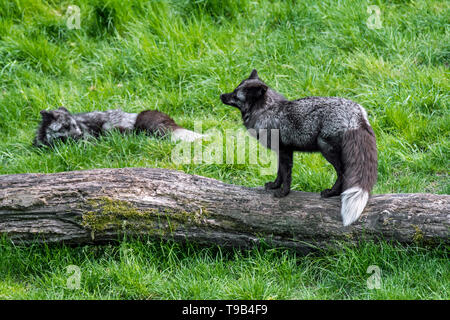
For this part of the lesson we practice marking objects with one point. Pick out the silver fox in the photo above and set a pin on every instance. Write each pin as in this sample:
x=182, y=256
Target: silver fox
x=336, y=127
x=60, y=124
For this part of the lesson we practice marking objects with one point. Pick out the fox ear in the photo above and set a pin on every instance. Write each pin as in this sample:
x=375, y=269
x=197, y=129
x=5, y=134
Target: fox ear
x=47, y=115
x=257, y=91
x=254, y=74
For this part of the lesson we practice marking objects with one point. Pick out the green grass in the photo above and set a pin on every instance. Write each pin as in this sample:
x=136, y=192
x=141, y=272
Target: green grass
x=152, y=270
x=177, y=57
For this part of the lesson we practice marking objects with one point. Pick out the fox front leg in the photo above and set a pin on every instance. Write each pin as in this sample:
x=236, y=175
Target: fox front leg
x=277, y=183
x=282, y=183
x=273, y=185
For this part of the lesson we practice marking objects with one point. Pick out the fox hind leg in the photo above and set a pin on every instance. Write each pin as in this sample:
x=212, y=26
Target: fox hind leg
x=334, y=157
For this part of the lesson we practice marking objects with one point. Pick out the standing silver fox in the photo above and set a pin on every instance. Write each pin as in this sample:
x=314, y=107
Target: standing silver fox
x=336, y=127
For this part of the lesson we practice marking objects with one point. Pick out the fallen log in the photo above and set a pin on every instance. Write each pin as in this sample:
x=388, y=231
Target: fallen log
x=100, y=205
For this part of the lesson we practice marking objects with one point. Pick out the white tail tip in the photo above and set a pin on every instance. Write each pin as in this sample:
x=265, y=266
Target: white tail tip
x=353, y=202
x=185, y=135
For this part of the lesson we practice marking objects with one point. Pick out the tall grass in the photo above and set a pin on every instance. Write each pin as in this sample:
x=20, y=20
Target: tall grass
x=177, y=57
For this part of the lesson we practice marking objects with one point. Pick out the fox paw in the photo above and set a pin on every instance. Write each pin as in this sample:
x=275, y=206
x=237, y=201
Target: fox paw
x=281, y=193
x=329, y=193
x=271, y=186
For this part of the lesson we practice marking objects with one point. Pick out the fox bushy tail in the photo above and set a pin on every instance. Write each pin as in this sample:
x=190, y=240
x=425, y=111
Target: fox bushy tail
x=186, y=135
x=359, y=155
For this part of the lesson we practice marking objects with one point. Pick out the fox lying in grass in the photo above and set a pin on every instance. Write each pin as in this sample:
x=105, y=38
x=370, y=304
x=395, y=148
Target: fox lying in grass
x=336, y=127
x=60, y=124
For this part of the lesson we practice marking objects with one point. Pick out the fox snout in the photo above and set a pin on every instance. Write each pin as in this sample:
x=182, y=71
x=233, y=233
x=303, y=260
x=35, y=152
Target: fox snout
x=78, y=134
x=227, y=98
x=224, y=97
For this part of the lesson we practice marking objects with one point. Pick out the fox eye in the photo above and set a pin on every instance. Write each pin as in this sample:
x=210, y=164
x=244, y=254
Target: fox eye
x=240, y=96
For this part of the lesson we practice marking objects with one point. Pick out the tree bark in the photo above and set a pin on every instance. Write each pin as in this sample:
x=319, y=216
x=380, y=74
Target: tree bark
x=100, y=205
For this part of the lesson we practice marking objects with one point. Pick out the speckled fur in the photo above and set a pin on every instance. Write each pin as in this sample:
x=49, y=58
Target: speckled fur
x=336, y=127
x=60, y=124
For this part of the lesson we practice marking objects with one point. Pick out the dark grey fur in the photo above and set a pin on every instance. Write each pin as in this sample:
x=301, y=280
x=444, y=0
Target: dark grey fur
x=336, y=127
x=60, y=124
